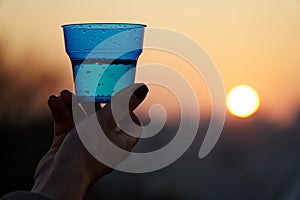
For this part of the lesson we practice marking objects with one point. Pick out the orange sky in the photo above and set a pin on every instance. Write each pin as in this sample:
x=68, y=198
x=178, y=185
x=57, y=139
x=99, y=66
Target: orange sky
x=252, y=42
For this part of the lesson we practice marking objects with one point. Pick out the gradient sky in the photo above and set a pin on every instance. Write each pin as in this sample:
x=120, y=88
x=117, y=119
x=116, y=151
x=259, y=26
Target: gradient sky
x=252, y=42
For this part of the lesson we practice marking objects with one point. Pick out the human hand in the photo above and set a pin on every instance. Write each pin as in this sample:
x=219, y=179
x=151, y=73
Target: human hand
x=68, y=163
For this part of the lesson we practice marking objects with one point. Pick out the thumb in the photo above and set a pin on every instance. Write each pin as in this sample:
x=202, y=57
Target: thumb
x=122, y=104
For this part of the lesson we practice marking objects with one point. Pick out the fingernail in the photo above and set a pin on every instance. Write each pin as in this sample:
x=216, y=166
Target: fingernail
x=53, y=97
x=141, y=92
x=65, y=91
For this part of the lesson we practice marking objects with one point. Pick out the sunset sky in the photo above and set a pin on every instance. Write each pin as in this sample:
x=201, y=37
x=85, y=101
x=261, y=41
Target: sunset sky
x=256, y=42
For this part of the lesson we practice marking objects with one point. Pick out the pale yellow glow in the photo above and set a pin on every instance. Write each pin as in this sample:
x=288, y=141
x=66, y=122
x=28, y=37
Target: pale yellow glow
x=256, y=42
x=242, y=101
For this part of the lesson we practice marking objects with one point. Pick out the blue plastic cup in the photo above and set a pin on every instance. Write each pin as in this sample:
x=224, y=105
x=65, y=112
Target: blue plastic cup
x=103, y=57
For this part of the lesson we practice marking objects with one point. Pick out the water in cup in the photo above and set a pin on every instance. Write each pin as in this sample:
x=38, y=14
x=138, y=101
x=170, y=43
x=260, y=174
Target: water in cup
x=99, y=79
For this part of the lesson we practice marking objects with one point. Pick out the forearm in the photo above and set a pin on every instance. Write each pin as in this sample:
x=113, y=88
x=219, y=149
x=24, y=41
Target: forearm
x=64, y=183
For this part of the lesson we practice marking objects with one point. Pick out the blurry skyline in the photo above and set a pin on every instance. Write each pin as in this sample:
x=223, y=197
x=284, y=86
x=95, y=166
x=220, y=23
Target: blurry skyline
x=252, y=42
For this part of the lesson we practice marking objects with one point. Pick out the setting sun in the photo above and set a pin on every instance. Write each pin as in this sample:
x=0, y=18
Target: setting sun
x=242, y=101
